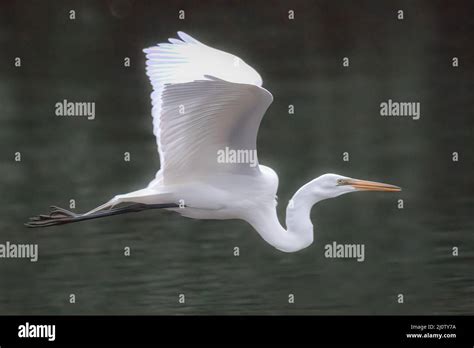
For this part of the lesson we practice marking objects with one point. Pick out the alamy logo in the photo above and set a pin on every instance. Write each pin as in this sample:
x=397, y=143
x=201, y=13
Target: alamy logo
x=393, y=108
x=228, y=155
x=19, y=251
x=67, y=108
x=37, y=331
x=345, y=251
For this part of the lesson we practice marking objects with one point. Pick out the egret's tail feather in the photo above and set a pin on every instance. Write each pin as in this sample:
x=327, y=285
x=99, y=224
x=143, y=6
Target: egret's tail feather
x=60, y=216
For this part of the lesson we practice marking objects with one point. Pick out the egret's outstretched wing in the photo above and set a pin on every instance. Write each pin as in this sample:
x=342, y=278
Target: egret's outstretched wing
x=204, y=105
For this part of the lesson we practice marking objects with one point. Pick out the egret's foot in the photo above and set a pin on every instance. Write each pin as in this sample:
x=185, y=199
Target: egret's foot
x=57, y=216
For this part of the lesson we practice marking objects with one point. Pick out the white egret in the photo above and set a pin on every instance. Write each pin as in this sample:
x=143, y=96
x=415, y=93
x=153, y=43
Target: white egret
x=206, y=101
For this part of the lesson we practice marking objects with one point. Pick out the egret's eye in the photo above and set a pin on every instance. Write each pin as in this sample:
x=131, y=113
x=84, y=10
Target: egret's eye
x=340, y=181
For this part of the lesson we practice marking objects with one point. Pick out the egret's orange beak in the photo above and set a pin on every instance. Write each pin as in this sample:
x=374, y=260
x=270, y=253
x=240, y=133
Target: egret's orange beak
x=371, y=185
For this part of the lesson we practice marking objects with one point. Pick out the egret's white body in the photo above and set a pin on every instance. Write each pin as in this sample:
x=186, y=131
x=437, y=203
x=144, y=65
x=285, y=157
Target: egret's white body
x=205, y=100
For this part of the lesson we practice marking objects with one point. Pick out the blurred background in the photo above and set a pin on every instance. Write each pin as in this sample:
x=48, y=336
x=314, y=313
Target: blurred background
x=407, y=251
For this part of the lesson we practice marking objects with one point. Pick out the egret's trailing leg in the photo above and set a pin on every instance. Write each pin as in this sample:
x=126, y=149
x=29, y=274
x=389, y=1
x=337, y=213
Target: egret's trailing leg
x=60, y=216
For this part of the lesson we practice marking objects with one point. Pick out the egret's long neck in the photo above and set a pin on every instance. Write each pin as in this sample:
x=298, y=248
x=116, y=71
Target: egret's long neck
x=299, y=233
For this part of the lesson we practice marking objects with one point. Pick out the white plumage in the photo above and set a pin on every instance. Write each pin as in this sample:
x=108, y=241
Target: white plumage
x=204, y=101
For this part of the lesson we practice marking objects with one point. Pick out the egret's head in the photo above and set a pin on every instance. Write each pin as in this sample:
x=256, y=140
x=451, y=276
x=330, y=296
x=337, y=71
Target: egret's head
x=333, y=185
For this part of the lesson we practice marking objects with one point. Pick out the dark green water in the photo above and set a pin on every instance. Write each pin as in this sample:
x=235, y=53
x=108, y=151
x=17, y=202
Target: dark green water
x=407, y=251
